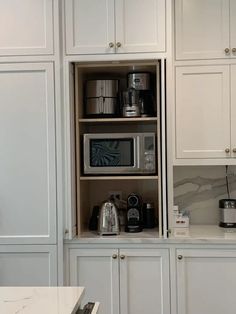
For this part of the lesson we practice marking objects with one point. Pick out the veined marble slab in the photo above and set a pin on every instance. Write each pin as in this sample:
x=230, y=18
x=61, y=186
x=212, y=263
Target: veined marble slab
x=40, y=300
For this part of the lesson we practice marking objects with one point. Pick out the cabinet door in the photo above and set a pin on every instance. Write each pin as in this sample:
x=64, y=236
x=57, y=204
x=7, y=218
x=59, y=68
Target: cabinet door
x=27, y=265
x=27, y=154
x=89, y=26
x=97, y=271
x=26, y=27
x=140, y=25
x=144, y=281
x=233, y=110
x=202, y=112
x=233, y=27
x=206, y=281
x=202, y=29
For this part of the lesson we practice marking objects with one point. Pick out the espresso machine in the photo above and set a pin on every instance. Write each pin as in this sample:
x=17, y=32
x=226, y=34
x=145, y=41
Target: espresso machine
x=134, y=221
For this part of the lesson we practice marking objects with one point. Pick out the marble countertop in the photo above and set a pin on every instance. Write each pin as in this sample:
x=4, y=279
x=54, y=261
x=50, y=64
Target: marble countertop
x=40, y=300
x=211, y=234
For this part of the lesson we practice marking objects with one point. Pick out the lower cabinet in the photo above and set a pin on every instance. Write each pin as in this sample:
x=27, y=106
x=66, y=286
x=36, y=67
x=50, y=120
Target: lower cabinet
x=28, y=265
x=125, y=281
x=206, y=281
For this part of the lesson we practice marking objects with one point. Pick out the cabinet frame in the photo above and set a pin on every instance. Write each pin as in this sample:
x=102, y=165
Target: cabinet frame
x=71, y=97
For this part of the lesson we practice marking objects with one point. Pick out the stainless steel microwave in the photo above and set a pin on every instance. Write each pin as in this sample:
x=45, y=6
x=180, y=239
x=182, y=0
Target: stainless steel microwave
x=119, y=153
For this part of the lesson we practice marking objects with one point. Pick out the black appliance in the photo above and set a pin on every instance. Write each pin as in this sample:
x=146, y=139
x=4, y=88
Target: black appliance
x=149, y=219
x=134, y=214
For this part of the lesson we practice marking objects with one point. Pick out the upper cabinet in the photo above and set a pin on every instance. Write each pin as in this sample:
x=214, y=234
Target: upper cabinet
x=114, y=26
x=202, y=112
x=26, y=27
x=205, y=113
x=205, y=29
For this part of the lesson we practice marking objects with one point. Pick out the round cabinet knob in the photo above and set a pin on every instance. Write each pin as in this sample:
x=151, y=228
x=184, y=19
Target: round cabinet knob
x=234, y=50
x=118, y=45
x=111, y=45
x=122, y=256
x=180, y=257
x=114, y=256
x=226, y=50
x=234, y=150
x=227, y=150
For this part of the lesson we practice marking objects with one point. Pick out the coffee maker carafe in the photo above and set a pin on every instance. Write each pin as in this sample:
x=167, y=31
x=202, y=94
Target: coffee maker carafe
x=130, y=103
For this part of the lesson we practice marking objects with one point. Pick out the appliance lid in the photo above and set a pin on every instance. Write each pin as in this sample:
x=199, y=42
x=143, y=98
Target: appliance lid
x=102, y=88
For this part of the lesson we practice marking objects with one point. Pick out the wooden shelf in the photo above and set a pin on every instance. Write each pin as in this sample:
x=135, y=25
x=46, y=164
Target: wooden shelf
x=101, y=178
x=104, y=120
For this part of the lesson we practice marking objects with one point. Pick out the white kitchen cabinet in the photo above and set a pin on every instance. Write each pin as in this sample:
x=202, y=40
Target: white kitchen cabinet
x=98, y=271
x=205, y=29
x=206, y=281
x=114, y=26
x=144, y=281
x=233, y=109
x=125, y=281
x=26, y=27
x=202, y=112
x=27, y=154
x=28, y=265
x=205, y=113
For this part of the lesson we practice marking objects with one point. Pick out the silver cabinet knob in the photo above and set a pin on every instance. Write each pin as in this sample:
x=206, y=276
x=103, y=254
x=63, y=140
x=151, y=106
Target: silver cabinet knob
x=180, y=257
x=234, y=50
x=114, y=256
x=227, y=50
x=111, y=45
x=122, y=256
x=118, y=44
x=227, y=150
x=234, y=150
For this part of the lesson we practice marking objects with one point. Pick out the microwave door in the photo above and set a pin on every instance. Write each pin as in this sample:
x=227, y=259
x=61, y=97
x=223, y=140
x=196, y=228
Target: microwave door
x=111, y=155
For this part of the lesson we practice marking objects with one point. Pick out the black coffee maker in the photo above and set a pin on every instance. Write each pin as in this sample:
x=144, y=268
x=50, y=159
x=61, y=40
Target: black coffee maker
x=134, y=221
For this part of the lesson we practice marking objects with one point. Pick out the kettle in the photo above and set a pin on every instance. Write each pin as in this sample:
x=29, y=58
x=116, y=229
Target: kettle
x=108, y=223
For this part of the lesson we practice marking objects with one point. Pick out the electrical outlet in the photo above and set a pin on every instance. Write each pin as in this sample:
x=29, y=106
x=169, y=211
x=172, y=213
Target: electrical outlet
x=117, y=195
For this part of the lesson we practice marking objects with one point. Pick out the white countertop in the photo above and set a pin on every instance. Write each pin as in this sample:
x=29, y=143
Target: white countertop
x=40, y=300
x=195, y=234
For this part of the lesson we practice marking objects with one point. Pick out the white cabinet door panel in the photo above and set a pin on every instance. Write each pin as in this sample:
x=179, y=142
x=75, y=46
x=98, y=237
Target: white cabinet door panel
x=144, y=281
x=27, y=265
x=202, y=112
x=233, y=110
x=96, y=270
x=140, y=25
x=206, y=281
x=233, y=27
x=27, y=154
x=26, y=27
x=202, y=28
x=89, y=26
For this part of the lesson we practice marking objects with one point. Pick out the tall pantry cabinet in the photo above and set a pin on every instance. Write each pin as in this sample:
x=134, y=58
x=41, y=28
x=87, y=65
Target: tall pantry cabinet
x=28, y=200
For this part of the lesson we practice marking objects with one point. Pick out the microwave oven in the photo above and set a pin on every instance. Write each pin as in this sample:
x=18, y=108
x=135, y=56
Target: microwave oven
x=119, y=153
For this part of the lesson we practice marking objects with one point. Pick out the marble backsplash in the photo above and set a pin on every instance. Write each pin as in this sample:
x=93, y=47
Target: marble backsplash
x=197, y=190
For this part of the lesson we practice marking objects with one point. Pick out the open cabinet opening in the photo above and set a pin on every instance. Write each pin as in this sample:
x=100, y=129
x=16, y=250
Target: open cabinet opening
x=117, y=108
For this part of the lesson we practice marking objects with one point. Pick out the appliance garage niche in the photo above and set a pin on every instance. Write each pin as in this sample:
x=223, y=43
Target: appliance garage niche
x=117, y=109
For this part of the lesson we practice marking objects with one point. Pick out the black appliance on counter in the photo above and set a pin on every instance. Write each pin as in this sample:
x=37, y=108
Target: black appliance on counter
x=134, y=221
